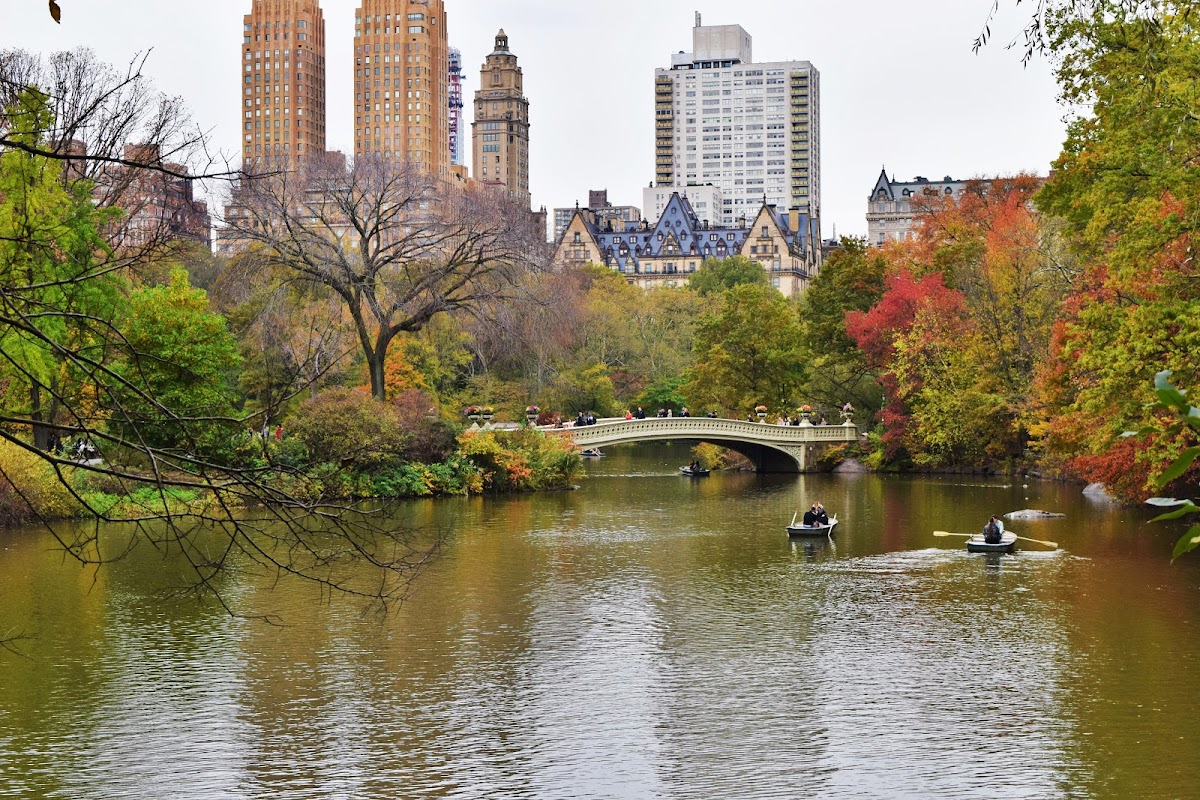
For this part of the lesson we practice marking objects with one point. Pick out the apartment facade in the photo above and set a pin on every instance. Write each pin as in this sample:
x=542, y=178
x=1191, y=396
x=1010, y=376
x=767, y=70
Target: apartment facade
x=705, y=200
x=600, y=209
x=401, y=83
x=500, y=132
x=455, y=84
x=665, y=253
x=753, y=130
x=890, y=215
x=283, y=80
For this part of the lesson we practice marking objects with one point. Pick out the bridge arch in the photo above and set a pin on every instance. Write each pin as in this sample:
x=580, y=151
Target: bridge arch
x=771, y=448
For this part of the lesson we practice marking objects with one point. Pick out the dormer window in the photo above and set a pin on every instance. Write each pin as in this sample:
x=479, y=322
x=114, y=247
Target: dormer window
x=578, y=238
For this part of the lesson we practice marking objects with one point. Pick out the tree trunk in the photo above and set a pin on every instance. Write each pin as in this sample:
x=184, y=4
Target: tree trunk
x=375, y=362
x=41, y=433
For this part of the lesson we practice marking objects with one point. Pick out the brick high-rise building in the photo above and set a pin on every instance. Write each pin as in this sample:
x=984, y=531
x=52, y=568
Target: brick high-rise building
x=401, y=82
x=283, y=79
x=500, y=132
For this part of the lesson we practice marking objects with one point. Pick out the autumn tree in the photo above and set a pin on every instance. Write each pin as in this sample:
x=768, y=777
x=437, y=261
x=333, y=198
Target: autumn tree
x=1126, y=190
x=395, y=244
x=932, y=365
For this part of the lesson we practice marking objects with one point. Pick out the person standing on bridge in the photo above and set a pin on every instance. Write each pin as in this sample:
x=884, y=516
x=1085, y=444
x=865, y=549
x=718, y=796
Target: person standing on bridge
x=640, y=413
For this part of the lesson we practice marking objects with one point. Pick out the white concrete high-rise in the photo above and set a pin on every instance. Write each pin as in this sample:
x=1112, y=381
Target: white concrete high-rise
x=753, y=130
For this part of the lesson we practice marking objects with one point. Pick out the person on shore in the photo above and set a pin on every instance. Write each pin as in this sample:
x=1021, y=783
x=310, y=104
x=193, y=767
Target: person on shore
x=993, y=531
x=278, y=432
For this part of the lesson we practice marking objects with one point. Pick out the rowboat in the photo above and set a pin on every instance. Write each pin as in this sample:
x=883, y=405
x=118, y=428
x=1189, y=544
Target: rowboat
x=811, y=530
x=1007, y=543
x=592, y=452
x=693, y=472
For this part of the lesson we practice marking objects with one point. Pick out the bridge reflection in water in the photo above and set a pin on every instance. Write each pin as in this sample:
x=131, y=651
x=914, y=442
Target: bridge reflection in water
x=772, y=448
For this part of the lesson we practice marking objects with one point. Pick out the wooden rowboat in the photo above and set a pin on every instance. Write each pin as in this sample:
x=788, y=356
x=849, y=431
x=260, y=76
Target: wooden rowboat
x=811, y=530
x=693, y=472
x=1007, y=544
x=592, y=452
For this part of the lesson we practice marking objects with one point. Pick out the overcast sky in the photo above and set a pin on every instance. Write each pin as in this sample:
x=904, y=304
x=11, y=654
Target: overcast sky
x=900, y=85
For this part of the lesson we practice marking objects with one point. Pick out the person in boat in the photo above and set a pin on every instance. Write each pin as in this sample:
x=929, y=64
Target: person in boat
x=810, y=517
x=822, y=517
x=993, y=530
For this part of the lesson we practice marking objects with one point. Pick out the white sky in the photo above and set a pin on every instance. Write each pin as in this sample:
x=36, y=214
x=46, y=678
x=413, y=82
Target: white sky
x=899, y=84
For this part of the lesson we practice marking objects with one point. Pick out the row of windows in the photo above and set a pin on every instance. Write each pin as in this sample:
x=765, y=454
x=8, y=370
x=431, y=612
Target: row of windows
x=276, y=25
x=413, y=17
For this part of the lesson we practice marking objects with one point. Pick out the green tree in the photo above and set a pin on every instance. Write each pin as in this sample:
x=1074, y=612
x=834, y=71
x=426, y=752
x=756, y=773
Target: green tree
x=721, y=274
x=850, y=280
x=747, y=353
x=178, y=360
x=57, y=293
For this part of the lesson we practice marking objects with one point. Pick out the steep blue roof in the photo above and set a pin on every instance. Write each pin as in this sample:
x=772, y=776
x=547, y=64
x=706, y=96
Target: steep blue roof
x=679, y=232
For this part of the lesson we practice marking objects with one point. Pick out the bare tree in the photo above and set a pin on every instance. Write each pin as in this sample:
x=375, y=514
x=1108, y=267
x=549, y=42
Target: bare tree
x=68, y=369
x=397, y=245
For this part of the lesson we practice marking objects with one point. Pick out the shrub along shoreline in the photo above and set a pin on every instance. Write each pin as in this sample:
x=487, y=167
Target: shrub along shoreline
x=482, y=462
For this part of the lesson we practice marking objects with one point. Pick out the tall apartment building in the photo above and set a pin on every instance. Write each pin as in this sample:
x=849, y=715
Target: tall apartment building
x=283, y=84
x=401, y=82
x=751, y=129
x=500, y=132
x=455, y=84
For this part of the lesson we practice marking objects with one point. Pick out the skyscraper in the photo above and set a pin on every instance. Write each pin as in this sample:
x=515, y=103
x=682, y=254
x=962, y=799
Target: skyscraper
x=401, y=95
x=283, y=84
x=456, y=107
x=751, y=129
x=500, y=132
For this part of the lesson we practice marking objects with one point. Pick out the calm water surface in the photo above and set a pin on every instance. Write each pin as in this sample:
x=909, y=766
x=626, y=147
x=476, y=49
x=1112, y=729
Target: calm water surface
x=649, y=636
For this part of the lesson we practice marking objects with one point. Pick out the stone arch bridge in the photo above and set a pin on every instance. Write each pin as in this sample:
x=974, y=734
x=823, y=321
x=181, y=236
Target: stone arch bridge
x=772, y=448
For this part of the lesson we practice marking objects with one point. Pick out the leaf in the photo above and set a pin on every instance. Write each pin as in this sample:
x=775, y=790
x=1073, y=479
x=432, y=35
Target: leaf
x=1189, y=542
x=1139, y=432
x=1177, y=514
x=55, y=12
x=1165, y=502
x=1180, y=466
x=1168, y=395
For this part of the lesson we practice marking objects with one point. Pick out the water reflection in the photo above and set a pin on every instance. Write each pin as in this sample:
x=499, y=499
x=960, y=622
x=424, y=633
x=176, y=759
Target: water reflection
x=646, y=636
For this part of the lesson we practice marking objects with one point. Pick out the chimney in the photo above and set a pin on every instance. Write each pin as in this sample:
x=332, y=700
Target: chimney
x=697, y=19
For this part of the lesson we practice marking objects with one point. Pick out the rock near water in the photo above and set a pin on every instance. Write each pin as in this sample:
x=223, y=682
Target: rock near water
x=1033, y=513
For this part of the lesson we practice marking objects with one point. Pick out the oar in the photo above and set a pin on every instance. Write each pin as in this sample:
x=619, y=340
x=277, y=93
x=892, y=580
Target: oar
x=794, y=514
x=1024, y=538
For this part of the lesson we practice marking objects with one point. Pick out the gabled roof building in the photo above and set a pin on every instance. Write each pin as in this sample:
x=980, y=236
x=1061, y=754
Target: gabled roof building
x=890, y=215
x=786, y=244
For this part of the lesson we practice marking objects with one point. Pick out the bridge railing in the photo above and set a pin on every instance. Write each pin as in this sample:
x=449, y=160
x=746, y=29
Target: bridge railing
x=620, y=429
